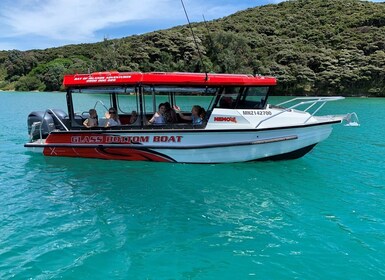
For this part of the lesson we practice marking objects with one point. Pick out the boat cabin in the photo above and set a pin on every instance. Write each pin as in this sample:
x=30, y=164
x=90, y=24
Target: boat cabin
x=137, y=96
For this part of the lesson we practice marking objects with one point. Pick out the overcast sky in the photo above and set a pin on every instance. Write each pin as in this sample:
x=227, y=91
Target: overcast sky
x=40, y=24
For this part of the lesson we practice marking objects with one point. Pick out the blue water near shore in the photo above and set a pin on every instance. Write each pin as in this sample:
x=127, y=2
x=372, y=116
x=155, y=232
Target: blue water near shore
x=318, y=217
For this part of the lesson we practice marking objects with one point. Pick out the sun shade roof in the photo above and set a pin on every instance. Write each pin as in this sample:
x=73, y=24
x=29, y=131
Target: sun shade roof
x=165, y=78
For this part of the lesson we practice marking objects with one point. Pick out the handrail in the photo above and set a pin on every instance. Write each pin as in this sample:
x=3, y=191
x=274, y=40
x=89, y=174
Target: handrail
x=41, y=127
x=53, y=113
x=99, y=101
x=33, y=128
x=312, y=101
x=315, y=98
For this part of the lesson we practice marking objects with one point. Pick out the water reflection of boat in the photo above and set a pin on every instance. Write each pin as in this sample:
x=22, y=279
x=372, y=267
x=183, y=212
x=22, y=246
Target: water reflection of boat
x=239, y=124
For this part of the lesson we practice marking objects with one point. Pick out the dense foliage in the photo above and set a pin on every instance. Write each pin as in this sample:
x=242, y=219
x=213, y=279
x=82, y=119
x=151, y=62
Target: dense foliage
x=321, y=47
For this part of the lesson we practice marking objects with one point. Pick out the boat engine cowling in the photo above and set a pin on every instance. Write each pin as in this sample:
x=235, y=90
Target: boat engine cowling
x=37, y=121
x=57, y=114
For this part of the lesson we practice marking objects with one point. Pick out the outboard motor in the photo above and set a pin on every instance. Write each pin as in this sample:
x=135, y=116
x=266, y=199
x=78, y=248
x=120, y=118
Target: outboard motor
x=57, y=113
x=39, y=121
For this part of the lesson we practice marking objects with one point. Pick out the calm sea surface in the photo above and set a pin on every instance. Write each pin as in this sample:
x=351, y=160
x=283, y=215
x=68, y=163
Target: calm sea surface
x=318, y=217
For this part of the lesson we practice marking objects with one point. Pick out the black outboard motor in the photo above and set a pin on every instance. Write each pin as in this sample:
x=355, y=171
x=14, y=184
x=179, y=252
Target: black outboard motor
x=35, y=122
x=61, y=115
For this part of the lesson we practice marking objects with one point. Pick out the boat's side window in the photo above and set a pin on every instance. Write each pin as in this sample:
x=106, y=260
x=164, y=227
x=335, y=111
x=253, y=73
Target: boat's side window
x=128, y=101
x=253, y=98
x=172, y=106
x=228, y=98
x=128, y=106
x=156, y=100
x=86, y=100
x=192, y=104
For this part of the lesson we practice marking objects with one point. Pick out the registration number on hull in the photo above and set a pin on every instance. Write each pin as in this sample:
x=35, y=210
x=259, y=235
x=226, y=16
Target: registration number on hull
x=257, y=113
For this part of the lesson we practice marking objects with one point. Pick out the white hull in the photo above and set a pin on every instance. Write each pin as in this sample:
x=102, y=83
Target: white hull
x=194, y=146
x=276, y=143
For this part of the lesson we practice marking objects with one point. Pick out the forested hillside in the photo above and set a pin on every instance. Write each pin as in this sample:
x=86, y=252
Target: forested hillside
x=314, y=47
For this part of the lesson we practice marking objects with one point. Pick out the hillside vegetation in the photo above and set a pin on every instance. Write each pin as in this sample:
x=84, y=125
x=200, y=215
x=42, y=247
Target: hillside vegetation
x=313, y=47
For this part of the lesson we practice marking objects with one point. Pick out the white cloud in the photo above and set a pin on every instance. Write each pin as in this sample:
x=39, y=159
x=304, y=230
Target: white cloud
x=79, y=21
x=74, y=20
x=27, y=24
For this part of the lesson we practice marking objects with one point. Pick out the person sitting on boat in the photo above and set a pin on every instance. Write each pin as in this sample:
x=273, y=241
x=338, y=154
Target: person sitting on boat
x=113, y=118
x=158, y=117
x=133, y=118
x=92, y=119
x=169, y=114
x=226, y=102
x=197, y=114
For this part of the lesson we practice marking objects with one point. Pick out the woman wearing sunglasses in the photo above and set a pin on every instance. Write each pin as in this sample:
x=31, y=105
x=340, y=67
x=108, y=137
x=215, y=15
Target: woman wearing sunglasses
x=113, y=118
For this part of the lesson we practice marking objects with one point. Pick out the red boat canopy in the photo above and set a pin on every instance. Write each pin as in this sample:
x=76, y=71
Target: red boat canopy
x=165, y=78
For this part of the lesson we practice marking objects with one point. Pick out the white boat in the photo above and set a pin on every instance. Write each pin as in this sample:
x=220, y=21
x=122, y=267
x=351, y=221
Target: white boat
x=239, y=124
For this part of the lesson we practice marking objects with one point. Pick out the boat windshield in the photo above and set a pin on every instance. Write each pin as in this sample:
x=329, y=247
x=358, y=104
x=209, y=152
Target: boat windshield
x=253, y=98
x=242, y=98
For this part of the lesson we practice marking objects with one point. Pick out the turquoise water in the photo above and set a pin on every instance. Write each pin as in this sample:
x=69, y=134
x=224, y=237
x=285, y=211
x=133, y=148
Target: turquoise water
x=318, y=217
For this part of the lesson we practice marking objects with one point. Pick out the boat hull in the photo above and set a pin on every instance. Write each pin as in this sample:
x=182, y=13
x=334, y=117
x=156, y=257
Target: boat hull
x=186, y=146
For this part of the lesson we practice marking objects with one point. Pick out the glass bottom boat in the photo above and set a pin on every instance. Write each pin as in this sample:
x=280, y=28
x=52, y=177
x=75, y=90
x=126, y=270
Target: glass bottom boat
x=230, y=119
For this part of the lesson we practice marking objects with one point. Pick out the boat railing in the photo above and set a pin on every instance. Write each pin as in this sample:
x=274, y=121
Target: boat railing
x=313, y=102
x=40, y=124
x=33, y=129
x=101, y=102
x=58, y=119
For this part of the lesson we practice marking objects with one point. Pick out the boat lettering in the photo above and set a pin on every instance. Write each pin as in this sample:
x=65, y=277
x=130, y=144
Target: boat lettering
x=126, y=139
x=87, y=139
x=143, y=139
x=257, y=112
x=225, y=119
x=167, y=139
x=102, y=79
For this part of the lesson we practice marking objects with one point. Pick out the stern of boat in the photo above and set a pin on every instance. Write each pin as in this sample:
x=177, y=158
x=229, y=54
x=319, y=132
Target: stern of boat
x=36, y=146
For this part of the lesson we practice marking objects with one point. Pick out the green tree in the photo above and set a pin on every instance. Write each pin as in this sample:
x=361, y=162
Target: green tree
x=312, y=46
x=28, y=83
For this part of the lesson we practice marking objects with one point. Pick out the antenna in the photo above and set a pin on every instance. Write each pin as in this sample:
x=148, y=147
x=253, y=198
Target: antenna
x=208, y=30
x=195, y=41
